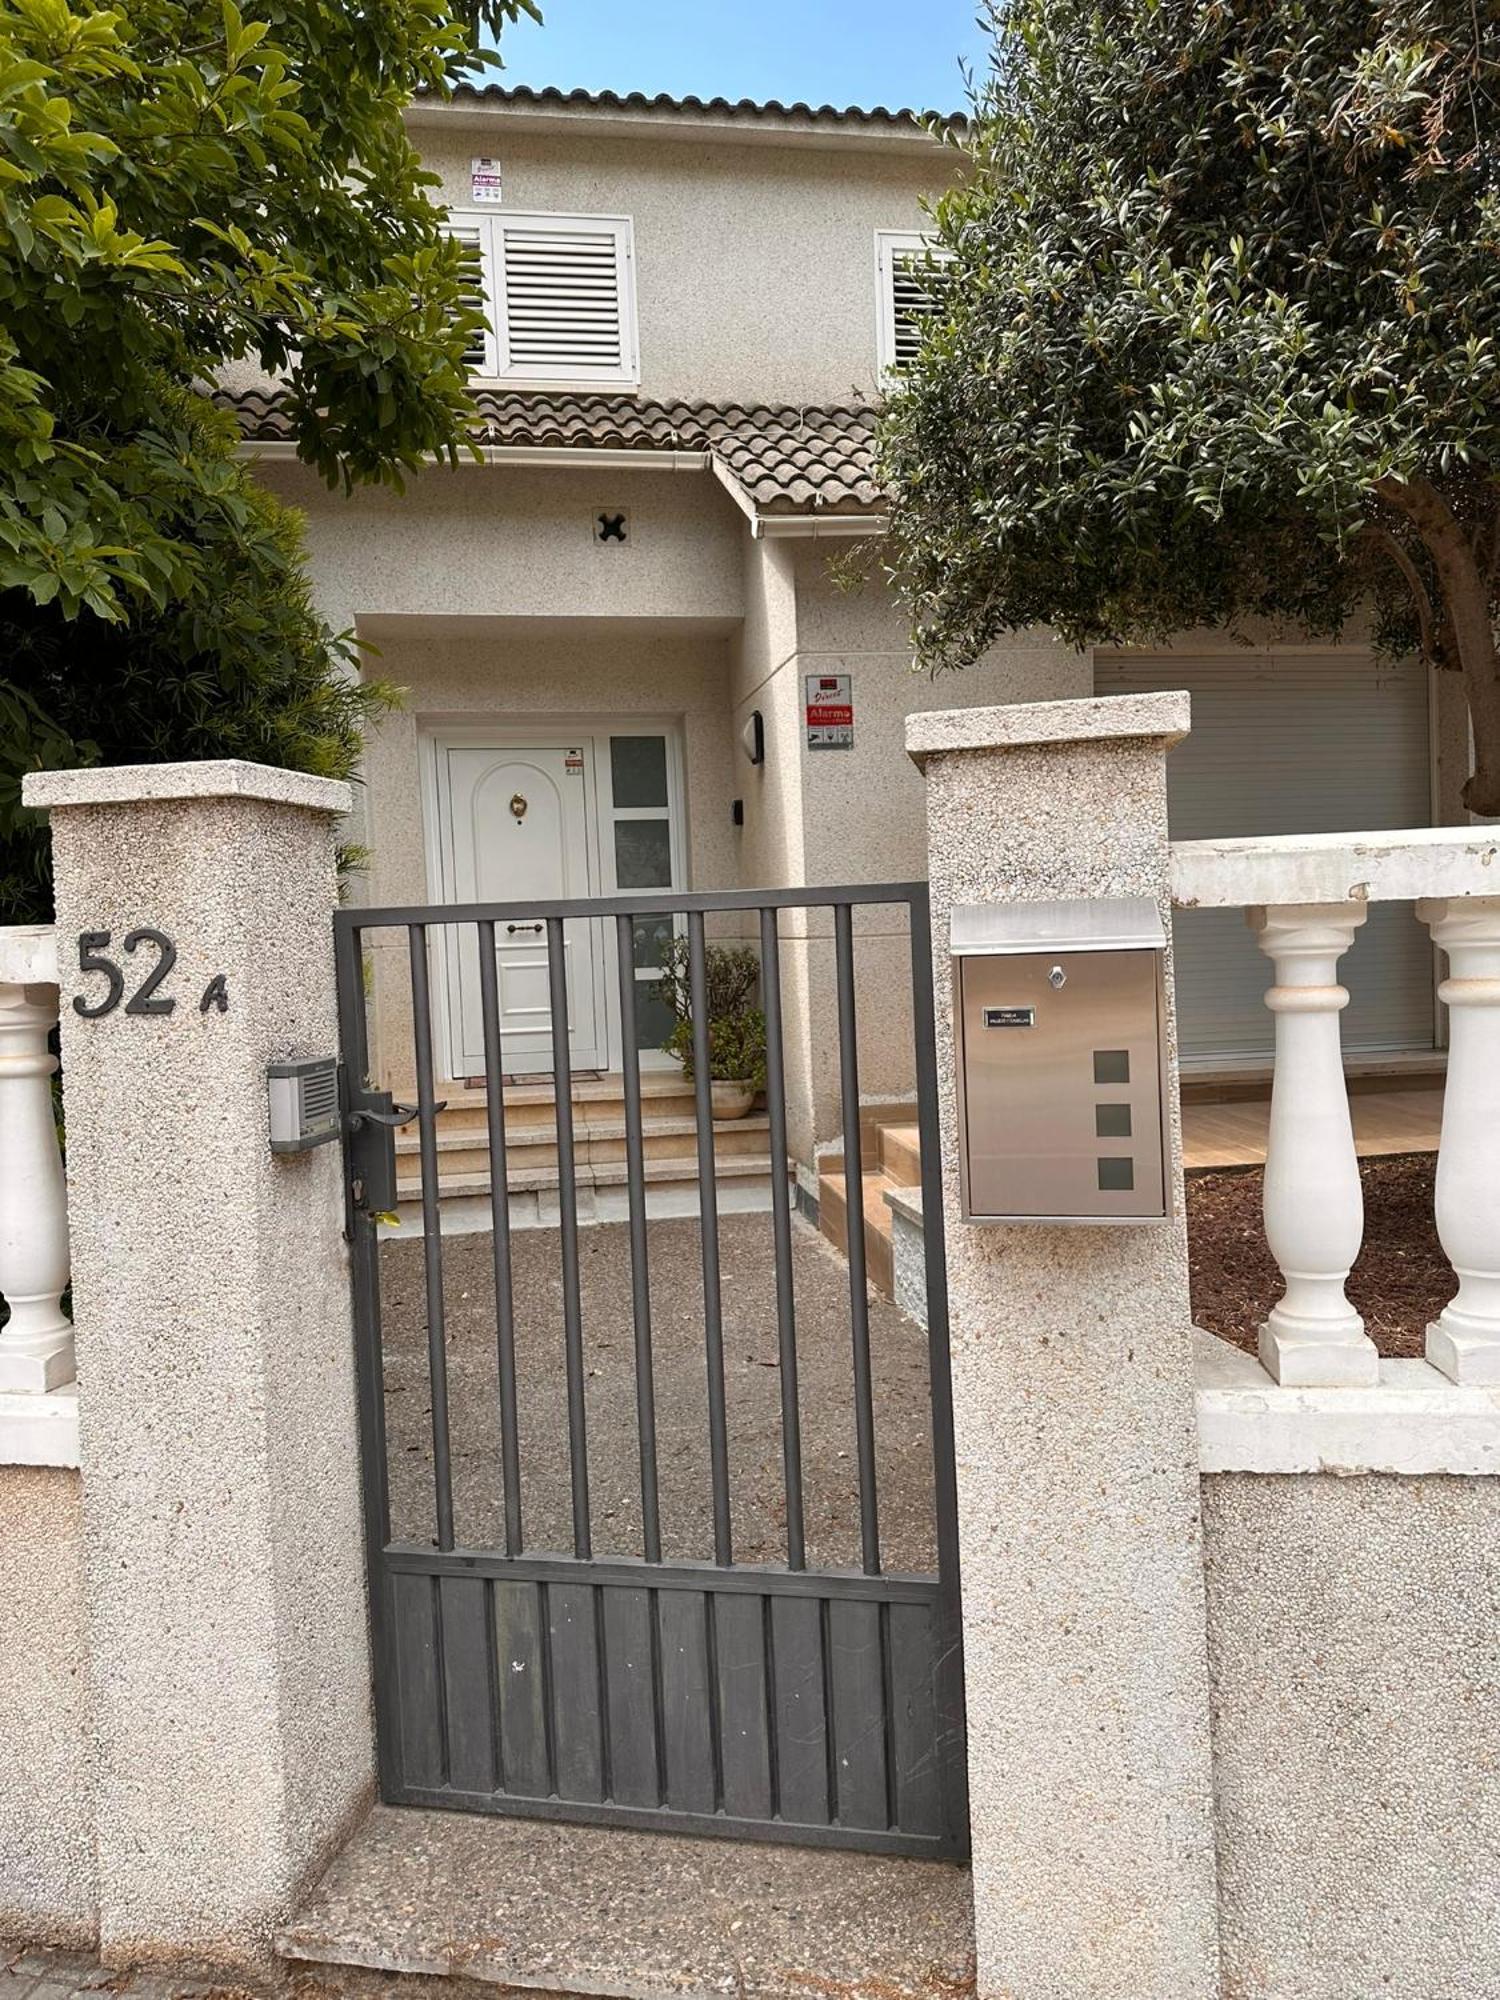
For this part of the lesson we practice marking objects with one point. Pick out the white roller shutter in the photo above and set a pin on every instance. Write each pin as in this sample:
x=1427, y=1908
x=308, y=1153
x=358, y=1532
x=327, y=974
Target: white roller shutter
x=1315, y=742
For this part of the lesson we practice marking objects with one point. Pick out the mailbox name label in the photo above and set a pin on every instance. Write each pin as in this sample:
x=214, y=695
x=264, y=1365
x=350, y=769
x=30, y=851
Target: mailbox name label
x=1009, y=1017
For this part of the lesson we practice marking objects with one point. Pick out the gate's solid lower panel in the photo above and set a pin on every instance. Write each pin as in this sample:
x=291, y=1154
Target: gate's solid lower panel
x=754, y=1703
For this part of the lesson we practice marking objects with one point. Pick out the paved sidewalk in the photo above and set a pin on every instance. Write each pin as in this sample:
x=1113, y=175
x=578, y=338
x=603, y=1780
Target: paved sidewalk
x=29, y=1974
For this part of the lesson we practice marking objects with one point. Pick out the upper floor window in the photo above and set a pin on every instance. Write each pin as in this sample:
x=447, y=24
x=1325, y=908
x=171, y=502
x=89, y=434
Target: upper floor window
x=559, y=295
x=907, y=271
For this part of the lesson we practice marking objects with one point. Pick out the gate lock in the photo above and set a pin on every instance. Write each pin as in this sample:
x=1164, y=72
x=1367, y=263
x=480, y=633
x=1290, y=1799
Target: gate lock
x=372, y=1121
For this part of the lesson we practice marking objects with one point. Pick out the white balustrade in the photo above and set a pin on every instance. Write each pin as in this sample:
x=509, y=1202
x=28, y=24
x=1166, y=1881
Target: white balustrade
x=1464, y=1341
x=1305, y=896
x=36, y=1344
x=1313, y=1204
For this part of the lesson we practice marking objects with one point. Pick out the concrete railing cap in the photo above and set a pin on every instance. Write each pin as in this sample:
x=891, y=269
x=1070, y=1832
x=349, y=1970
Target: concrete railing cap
x=28, y=955
x=218, y=778
x=1165, y=716
x=1404, y=865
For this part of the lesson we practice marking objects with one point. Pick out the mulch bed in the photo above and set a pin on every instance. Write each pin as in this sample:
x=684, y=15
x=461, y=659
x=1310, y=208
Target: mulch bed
x=1401, y=1281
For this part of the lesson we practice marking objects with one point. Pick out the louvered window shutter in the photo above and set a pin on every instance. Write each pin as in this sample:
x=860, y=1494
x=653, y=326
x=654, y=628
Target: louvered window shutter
x=911, y=277
x=560, y=293
x=479, y=355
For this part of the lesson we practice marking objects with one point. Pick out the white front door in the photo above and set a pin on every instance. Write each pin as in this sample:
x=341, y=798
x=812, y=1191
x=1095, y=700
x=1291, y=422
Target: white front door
x=516, y=824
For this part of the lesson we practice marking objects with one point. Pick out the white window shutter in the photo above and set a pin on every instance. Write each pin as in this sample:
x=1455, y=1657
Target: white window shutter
x=566, y=298
x=479, y=355
x=908, y=295
x=560, y=293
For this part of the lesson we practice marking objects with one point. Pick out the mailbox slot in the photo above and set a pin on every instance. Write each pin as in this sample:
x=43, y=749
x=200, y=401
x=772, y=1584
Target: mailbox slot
x=1059, y=1033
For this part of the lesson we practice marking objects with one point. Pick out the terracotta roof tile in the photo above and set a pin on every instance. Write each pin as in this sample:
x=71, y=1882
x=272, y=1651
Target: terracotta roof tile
x=786, y=459
x=749, y=109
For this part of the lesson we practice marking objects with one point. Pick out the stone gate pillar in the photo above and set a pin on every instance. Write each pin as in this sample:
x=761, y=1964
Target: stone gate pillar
x=1084, y=1635
x=223, y=1566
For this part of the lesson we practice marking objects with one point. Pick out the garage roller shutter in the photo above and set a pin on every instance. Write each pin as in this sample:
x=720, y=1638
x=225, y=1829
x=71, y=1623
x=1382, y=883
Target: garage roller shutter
x=1311, y=742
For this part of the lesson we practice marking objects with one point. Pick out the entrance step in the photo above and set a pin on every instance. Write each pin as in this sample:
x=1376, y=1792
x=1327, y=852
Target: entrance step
x=602, y=1193
x=669, y=1144
x=890, y=1139
x=833, y=1219
x=634, y=1916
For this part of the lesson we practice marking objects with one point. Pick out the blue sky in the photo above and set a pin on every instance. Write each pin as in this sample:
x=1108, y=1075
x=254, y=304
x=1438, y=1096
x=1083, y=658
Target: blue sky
x=892, y=52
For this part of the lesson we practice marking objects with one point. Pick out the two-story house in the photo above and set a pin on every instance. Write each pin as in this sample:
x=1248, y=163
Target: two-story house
x=625, y=617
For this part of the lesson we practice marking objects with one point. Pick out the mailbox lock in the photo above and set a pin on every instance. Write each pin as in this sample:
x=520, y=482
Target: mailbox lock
x=1057, y=978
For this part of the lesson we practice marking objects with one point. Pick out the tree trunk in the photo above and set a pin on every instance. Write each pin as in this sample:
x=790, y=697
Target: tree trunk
x=1466, y=612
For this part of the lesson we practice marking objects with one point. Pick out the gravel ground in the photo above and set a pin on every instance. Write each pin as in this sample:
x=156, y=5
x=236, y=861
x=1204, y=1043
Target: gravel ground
x=899, y=1364
x=1401, y=1281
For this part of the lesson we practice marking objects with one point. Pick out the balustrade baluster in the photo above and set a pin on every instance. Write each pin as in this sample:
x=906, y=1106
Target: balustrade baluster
x=36, y=1344
x=1464, y=1341
x=1314, y=1207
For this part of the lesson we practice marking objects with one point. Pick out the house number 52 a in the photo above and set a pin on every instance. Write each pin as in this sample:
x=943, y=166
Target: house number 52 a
x=147, y=998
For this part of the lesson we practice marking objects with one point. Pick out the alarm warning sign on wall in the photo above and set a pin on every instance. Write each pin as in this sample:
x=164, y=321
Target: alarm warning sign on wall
x=830, y=711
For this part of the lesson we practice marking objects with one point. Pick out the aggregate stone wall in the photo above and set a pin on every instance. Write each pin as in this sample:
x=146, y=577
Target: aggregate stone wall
x=48, y=1877
x=1354, y=1633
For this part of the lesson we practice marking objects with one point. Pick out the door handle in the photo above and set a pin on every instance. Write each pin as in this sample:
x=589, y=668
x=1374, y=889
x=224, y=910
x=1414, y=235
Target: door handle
x=513, y=928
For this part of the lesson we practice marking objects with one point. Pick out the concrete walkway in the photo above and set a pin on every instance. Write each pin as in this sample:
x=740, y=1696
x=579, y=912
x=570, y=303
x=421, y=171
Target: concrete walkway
x=752, y=1394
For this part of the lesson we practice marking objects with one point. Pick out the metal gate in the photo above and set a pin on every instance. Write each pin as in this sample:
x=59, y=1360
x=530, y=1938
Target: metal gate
x=545, y=1673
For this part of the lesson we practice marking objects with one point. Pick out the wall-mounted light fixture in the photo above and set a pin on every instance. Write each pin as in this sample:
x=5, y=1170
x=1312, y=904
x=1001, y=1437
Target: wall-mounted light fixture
x=753, y=737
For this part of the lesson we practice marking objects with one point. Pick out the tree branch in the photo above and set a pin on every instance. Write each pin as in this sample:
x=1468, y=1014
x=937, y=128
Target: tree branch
x=1383, y=539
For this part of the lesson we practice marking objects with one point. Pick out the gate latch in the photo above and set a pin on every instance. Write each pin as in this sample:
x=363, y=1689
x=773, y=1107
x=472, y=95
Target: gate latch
x=372, y=1120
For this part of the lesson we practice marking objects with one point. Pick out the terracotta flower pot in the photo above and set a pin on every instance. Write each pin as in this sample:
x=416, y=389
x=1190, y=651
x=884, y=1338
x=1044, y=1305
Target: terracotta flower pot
x=730, y=1099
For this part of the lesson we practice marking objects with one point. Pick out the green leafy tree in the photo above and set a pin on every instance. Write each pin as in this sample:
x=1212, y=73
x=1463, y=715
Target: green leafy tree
x=1216, y=336
x=182, y=189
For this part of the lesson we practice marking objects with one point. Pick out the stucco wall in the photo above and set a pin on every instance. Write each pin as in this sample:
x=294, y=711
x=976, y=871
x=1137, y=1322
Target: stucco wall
x=518, y=542
x=1354, y=1632
x=755, y=265
x=48, y=1774
x=861, y=812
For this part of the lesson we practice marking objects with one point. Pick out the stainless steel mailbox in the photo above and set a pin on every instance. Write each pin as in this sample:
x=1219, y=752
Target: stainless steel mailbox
x=1059, y=1033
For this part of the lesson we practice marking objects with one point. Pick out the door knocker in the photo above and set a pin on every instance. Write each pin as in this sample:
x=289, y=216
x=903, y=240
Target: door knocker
x=518, y=806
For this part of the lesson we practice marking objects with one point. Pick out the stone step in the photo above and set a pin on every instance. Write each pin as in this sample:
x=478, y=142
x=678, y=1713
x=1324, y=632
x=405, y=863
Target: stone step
x=833, y=1219
x=901, y=1154
x=601, y=1194
x=531, y=1905
x=535, y=1104
x=531, y=1154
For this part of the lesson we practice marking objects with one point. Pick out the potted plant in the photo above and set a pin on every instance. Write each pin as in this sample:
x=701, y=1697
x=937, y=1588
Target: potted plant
x=736, y=1026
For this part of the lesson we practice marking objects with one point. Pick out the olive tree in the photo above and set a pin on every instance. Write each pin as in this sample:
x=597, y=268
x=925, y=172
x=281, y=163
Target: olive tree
x=1215, y=340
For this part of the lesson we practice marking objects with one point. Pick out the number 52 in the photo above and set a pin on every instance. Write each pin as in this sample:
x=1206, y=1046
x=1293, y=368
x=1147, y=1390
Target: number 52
x=91, y=958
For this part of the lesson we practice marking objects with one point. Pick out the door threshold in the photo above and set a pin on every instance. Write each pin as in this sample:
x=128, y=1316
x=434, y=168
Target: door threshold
x=634, y=1916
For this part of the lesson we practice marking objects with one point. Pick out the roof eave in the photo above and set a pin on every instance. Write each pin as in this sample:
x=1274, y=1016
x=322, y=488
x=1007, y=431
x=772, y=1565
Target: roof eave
x=475, y=113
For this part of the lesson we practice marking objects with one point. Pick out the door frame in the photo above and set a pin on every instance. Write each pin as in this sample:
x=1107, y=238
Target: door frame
x=592, y=733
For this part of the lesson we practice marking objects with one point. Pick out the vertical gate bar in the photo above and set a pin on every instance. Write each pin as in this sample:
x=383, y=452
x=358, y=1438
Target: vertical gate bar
x=567, y=1204
x=830, y=1729
x=640, y=1277
x=544, y=1662
x=773, y=1748
x=369, y=1366
x=492, y=1661
x=949, y=1680
x=854, y=1208
x=505, y=1316
x=715, y=1696
x=601, y=1676
x=432, y=1236
x=781, y=1230
x=658, y=1696
x=708, y=1212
